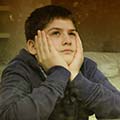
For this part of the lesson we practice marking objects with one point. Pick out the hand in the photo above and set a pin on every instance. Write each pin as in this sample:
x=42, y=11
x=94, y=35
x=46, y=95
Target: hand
x=77, y=61
x=47, y=55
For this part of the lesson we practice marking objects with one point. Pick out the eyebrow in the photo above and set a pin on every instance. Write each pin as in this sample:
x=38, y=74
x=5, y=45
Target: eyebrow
x=55, y=28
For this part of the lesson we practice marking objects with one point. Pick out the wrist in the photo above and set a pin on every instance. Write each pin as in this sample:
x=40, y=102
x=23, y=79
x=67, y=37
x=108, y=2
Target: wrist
x=73, y=75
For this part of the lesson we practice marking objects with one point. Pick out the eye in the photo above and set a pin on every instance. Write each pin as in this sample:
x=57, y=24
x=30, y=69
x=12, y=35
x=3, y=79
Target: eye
x=72, y=34
x=55, y=33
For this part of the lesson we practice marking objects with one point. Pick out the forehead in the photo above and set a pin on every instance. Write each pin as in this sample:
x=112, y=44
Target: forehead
x=60, y=23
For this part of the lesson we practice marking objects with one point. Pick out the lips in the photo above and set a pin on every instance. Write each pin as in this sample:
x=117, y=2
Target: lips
x=67, y=51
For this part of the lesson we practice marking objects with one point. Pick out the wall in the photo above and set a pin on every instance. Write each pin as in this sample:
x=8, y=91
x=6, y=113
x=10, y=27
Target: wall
x=12, y=21
x=98, y=22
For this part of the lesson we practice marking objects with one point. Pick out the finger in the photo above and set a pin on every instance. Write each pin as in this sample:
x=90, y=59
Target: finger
x=50, y=44
x=41, y=40
x=45, y=43
x=80, y=48
x=79, y=44
x=40, y=43
x=38, y=55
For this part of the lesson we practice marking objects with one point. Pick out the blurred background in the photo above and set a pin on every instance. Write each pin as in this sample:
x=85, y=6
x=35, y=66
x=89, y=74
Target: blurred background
x=98, y=22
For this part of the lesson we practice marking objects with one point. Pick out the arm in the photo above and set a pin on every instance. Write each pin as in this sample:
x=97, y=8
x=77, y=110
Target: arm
x=90, y=71
x=99, y=77
x=97, y=97
x=93, y=90
x=19, y=102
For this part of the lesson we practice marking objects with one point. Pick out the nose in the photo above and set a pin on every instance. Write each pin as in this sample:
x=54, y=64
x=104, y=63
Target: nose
x=66, y=40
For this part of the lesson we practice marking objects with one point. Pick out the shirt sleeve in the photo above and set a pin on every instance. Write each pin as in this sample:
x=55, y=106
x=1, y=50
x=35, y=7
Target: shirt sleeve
x=19, y=102
x=100, y=97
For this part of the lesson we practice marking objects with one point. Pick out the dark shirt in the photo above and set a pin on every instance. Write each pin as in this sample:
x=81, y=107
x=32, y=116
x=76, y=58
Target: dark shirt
x=27, y=92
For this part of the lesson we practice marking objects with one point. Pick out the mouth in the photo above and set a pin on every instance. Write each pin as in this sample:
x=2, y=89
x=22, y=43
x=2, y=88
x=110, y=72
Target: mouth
x=67, y=51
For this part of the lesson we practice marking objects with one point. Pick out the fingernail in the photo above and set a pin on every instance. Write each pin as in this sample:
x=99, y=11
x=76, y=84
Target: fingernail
x=35, y=37
x=47, y=36
x=43, y=32
x=38, y=31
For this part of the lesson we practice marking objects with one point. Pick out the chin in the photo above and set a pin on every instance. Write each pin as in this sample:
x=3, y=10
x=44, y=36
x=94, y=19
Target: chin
x=68, y=59
x=68, y=62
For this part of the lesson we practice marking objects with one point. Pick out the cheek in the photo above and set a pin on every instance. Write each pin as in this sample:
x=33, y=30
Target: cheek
x=56, y=44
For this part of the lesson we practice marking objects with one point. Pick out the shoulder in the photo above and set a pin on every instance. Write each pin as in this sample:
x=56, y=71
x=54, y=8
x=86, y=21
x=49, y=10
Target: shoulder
x=89, y=67
x=16, y=70
x=20, y=69
x=89, y=63
x=16, y=65
x=19, y=63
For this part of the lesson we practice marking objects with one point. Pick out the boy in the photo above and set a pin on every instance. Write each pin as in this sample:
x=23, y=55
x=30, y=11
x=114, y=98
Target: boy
x=50, y=79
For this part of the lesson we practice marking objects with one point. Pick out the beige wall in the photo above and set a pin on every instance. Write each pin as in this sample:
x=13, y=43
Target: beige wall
x=13, y=23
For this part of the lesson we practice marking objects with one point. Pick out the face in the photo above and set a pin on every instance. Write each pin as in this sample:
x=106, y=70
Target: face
x=63, y=34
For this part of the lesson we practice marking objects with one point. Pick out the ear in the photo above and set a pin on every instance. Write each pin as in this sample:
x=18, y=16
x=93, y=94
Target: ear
x=31, y=47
